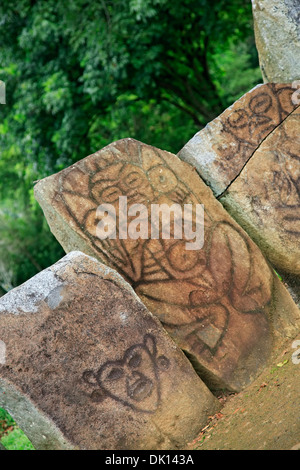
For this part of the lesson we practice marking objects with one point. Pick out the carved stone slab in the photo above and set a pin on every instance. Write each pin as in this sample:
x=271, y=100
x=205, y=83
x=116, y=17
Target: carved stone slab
x=88, y=367
x=217, y=302
x=265, y=198
x=220, y=150
x=277, y=36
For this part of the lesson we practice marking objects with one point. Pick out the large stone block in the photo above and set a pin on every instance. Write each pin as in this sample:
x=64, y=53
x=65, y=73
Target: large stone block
x=221, y=150
x=88, y=367
x=249, y=156
x=265, y=198
x=222, y=304
x=277, y=36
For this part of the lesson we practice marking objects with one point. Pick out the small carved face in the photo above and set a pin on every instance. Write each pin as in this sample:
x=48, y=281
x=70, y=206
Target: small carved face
x=252, y=122
x=132, y=380
x=138, y=185
x=266, y=108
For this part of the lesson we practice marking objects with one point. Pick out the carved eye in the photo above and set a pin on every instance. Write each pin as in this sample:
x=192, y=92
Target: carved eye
x=111, y=194
x=135, y=361
x=115, y=374
x=98, y=396
x=260, y=103
x=134, y=179
x=162, y=179
x=163, y=362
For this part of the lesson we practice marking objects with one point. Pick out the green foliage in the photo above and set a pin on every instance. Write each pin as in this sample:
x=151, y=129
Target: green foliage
x=80, y=74
x=25, y=243
x=11, y=436
x=6, y=421
x=16, y=440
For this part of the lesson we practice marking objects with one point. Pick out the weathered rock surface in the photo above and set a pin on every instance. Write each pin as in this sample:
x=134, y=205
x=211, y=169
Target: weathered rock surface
x=264, y=416
x=222, y=304
x=277, y=35
x=265, y=198
x=221, y=150
x=254, y=170
x=88, y=367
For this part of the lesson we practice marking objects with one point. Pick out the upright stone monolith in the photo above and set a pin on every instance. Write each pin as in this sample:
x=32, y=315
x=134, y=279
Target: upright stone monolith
x=277, y=35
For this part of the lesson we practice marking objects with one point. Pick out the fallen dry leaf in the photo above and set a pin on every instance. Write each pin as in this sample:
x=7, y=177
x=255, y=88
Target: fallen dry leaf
x=263, y=385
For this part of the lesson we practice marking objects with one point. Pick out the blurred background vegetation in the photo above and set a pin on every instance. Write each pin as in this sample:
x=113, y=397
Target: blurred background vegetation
x=80, y=74
x=11, y=436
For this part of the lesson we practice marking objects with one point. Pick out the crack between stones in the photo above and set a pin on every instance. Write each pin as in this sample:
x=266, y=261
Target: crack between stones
x=226, y=189
x=213, y=383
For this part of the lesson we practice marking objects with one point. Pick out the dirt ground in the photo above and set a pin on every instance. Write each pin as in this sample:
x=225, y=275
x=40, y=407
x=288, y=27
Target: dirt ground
x=265, y=416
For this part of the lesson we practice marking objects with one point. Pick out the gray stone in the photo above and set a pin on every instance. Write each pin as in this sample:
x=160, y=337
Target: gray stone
x=87, y=366
x=253, y=169
x=220, y=151
x=265, y=198
x=277, y=35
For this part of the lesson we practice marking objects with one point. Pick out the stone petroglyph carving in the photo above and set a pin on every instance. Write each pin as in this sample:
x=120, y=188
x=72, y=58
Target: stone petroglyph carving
x=224, y=146
x=216, y=302
x=268, y=106
x=265, y=198
x=259, y=189
x=95, y=368
x=133, y=380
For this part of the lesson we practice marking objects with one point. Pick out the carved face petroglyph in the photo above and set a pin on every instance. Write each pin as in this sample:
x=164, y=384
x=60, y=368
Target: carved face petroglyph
x=133, y=380
x=249, y=125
